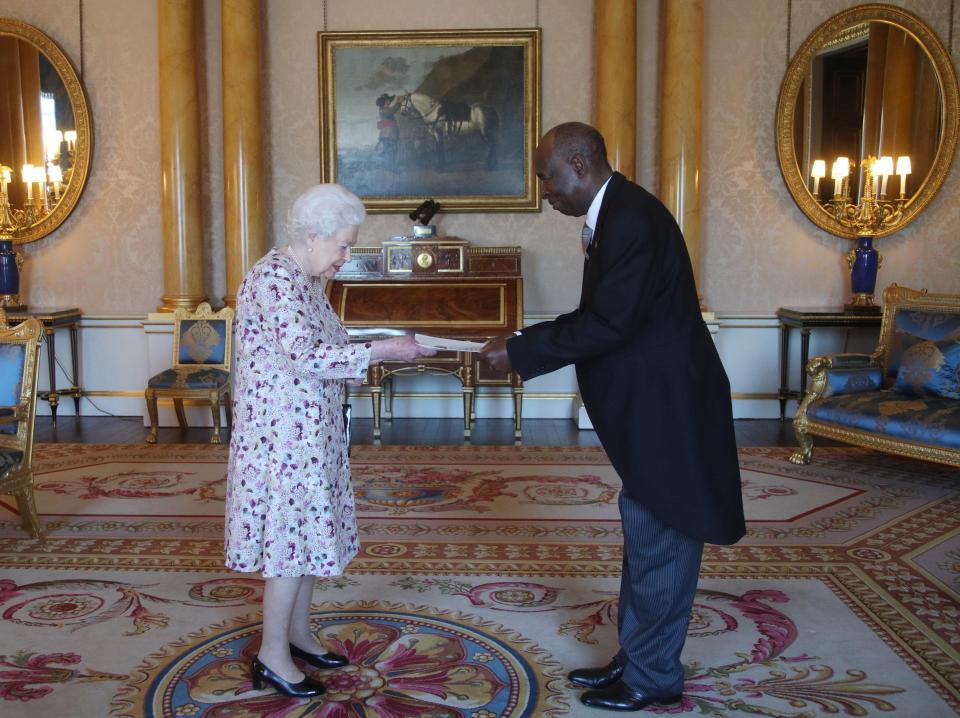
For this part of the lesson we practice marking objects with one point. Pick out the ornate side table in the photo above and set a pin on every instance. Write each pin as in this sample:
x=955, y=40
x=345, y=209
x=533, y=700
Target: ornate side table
x=441, y=287
x=807, y=319
x=52, y=320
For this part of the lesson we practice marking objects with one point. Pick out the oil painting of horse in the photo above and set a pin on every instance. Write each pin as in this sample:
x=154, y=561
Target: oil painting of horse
x=451, y=115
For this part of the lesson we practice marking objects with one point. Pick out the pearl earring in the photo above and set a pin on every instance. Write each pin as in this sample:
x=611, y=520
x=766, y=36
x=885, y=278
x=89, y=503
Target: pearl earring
x=309, y=249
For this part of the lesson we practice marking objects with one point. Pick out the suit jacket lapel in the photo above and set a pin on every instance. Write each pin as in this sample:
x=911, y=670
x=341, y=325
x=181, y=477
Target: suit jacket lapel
x=591, y=264
x=608, y=197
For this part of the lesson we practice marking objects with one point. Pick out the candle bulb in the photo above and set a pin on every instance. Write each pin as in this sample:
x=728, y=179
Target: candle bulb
x=843, y=169
x=886, y=169
x=38, y=177
x=818, y=172
x=56, y=176
x=903, y=169
x=27, y=173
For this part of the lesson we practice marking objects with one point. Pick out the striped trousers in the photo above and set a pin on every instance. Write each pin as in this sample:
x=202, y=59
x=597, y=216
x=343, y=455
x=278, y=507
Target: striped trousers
x=657, y=587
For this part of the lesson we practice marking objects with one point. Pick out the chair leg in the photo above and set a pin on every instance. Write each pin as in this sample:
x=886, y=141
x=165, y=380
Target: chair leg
x=215, y=408
x=181, y=415
x=151, y=398
x=803, y=455
x=28, y=512
x=228, y=409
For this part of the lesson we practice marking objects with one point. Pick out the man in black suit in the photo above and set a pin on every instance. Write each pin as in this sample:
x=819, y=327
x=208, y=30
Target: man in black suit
x=656, y=392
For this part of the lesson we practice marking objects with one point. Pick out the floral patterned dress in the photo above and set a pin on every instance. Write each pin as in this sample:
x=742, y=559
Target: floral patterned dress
x=290, y=506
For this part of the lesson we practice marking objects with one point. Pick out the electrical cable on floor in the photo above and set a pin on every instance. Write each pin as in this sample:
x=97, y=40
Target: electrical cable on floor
x=92, y=402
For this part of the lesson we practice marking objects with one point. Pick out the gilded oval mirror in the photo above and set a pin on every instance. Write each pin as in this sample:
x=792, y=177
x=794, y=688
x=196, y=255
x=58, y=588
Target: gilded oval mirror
x=873, y=81
x=46, y=138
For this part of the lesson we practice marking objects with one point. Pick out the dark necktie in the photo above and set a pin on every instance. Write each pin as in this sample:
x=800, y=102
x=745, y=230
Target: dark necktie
x=586, y=236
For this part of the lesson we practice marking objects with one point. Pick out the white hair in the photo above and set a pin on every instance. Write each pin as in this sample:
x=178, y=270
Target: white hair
x=323, y=210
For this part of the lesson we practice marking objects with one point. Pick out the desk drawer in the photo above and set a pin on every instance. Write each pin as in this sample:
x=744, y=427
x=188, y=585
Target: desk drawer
x=457, y=305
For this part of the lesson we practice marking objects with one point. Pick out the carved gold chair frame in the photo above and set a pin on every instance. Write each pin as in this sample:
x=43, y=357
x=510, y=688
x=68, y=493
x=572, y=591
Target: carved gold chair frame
x=16, y=477
x=895, y=299
x=194, y=378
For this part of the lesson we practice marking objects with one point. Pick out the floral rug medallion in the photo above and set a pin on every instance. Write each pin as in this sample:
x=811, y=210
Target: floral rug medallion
x=405, y=660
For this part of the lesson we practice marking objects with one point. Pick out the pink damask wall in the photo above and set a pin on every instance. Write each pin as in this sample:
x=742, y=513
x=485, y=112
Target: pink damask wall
x=758, y=250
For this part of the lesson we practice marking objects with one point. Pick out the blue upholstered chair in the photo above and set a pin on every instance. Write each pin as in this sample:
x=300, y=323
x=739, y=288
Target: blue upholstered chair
x=905, y=397
x=201, y=367
x=19, y=361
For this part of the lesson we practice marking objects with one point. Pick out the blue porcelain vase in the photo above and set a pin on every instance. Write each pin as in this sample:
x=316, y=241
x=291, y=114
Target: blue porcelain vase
x=863, y=270
x=9, y=275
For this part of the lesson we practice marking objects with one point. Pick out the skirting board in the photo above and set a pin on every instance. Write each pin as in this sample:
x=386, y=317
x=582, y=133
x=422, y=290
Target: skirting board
x=119, y=354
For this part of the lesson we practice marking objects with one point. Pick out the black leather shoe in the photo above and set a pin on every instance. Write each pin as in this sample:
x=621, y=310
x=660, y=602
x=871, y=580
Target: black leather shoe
x=319, y=660
x=307, y=688
x=620, y=697
x=597, y=677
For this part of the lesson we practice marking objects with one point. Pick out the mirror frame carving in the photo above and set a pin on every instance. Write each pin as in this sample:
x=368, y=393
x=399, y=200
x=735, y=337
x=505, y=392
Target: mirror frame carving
x=797, y=73
x=81, y=114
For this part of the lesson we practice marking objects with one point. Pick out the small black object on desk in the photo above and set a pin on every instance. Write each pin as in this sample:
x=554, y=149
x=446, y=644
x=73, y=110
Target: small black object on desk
x=424, y=213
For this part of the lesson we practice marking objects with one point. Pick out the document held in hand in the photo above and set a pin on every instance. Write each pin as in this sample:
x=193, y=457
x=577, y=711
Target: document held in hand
x=444, y=344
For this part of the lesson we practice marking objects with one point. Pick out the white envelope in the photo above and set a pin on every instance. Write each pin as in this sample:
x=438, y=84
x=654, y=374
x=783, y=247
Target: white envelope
x=444, y=344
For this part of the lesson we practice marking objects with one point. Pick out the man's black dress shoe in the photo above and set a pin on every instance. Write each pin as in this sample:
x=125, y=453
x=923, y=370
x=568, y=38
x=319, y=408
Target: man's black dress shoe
x=319, y=660
x=597, y=677
x=620, y=697
x=307, y=688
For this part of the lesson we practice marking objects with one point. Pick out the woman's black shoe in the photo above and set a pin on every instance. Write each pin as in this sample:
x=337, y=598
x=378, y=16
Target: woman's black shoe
x=319, y=660
x=307, y=688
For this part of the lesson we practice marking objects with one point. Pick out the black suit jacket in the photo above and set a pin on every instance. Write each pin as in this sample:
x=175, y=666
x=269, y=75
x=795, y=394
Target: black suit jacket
x=649, y=373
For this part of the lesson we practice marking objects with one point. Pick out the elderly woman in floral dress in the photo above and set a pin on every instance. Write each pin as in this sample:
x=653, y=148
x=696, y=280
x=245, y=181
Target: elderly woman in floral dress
x=290, y=507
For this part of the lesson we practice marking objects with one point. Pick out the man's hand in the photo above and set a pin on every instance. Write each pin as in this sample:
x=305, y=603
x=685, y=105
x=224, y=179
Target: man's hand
x=494, y=353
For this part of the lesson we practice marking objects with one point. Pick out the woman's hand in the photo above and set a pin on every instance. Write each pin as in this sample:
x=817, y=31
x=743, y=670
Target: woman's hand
x=399, y=349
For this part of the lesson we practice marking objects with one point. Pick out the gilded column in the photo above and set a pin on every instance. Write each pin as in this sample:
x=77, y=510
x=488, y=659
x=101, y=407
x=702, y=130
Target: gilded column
x=246, y=230
x=180, y=157
x=30, y=86
x=900, y=72
x=615, y=81
x=13, y=141
x=681, y=109
x=614, y=102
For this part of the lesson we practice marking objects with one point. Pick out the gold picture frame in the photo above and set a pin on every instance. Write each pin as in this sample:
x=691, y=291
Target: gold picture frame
x=794, y=116
x=453, y=115
x=26, y=218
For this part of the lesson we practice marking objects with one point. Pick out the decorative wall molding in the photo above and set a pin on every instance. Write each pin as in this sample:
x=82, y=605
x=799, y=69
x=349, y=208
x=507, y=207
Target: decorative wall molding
x=118, y=354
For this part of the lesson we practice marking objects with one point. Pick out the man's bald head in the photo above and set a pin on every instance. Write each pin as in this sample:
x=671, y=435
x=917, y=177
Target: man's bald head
x=571, y=162
x=579, y=138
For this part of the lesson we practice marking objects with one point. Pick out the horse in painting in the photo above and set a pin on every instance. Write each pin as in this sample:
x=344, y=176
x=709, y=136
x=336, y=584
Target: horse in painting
x=448, y=120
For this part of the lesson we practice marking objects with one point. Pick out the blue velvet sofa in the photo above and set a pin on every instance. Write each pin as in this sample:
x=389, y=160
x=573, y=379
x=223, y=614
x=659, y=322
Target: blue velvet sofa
x=905, y=397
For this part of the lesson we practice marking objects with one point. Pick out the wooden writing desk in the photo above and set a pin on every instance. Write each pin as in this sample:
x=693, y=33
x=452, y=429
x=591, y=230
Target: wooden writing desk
x=441, y=287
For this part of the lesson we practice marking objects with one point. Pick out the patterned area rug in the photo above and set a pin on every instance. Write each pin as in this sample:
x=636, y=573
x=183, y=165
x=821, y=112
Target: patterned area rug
x=486, y=574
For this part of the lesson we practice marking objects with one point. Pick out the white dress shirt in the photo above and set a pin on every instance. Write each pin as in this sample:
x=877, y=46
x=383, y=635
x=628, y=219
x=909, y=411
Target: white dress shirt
x=594, y=210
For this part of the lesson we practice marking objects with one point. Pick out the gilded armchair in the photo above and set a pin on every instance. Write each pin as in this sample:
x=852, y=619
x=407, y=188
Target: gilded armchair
x=201, y=367
x=19, y=362
x=905, y=397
